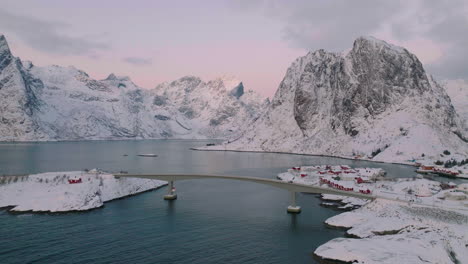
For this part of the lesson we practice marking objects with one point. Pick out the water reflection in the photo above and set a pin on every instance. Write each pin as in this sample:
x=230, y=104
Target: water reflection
x=293, y=222
x=170, y=208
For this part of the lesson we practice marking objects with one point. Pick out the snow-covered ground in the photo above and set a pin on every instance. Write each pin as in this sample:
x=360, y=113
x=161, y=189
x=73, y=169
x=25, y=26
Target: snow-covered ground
x=52, y=192
x=414, y=220
x=390, y=232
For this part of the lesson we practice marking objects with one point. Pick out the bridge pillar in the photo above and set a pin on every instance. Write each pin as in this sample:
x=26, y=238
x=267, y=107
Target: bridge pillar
x=171, y=195
x=293, y=208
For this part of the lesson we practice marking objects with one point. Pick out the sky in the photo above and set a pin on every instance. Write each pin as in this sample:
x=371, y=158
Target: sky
x=154, y=41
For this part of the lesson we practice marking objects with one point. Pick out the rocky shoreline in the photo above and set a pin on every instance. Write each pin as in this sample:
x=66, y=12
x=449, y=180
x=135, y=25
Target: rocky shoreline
x=388, y=232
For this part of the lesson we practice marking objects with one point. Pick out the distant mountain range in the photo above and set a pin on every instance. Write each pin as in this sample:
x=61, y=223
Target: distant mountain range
x=64, y=103
x=375, y=101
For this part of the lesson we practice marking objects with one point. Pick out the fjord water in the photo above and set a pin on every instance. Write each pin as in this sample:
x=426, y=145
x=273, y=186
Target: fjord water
x=213, y=221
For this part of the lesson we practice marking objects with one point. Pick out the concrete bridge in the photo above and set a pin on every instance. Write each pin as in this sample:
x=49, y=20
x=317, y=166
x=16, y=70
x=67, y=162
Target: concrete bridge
x=293, y=188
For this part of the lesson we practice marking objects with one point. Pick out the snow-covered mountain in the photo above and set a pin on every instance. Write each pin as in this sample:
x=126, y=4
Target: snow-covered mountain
x=216, y=108
x=19, y=103
x=458, y=92
x=64, y=103
x=375, y=101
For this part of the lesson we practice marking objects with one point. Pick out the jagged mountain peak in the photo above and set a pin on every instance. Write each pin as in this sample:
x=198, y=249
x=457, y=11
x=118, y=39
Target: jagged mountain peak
x=188, y=80
x=193, y=84
x=5, y=54
x=237, y=91
x=3, y=43
x=27, y=64
x=376, y=43
x=120, y=81
x=113, y=77
x=186, y=83
x=227, y=82
x=18, y=89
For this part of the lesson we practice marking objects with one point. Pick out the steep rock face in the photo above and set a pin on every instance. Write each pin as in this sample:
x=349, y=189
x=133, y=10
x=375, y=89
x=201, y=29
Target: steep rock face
x=458, y=92
x=375, y=101
x=217, y=108
x=77, y=107
x=18, y=95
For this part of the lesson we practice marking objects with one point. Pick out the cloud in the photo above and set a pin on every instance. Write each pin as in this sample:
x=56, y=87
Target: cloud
x=437, y=26
x=47, y=36
x=138, y=61
x=326, y=24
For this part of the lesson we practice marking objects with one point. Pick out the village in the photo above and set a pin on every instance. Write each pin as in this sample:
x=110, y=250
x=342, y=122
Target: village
x=372, y=181
x=441, y=171
x=414, y=215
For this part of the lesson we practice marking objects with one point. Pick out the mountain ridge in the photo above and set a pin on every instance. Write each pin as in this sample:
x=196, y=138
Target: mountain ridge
x=375, y=101
x=50, y=103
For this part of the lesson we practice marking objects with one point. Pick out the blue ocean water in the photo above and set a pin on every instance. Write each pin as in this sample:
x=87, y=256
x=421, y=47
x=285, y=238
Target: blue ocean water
x=212, y=221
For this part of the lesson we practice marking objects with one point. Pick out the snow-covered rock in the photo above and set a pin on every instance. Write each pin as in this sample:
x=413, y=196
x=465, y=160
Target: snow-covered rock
x=64, y=103
x=52, y=192
x=19, y=102
x=375, y=101
x=390, y=232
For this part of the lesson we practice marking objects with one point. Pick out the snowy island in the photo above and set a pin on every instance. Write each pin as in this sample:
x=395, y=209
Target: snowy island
x=413, y=220
x=68, y=191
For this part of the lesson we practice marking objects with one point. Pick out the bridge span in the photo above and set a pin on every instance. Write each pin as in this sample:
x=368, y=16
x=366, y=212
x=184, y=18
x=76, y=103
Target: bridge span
x=293, y=188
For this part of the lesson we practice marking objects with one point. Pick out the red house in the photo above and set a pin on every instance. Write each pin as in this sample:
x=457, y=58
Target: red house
x=72, y=181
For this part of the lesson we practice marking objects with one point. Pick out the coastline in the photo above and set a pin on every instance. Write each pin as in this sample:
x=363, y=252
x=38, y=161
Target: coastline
x=304, y=154
x=54, y=192
x=6, y=142
x=9, y=207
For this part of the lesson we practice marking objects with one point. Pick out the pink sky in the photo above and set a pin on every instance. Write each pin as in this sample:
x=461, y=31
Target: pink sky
x=157, y=41
x=177, y=42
